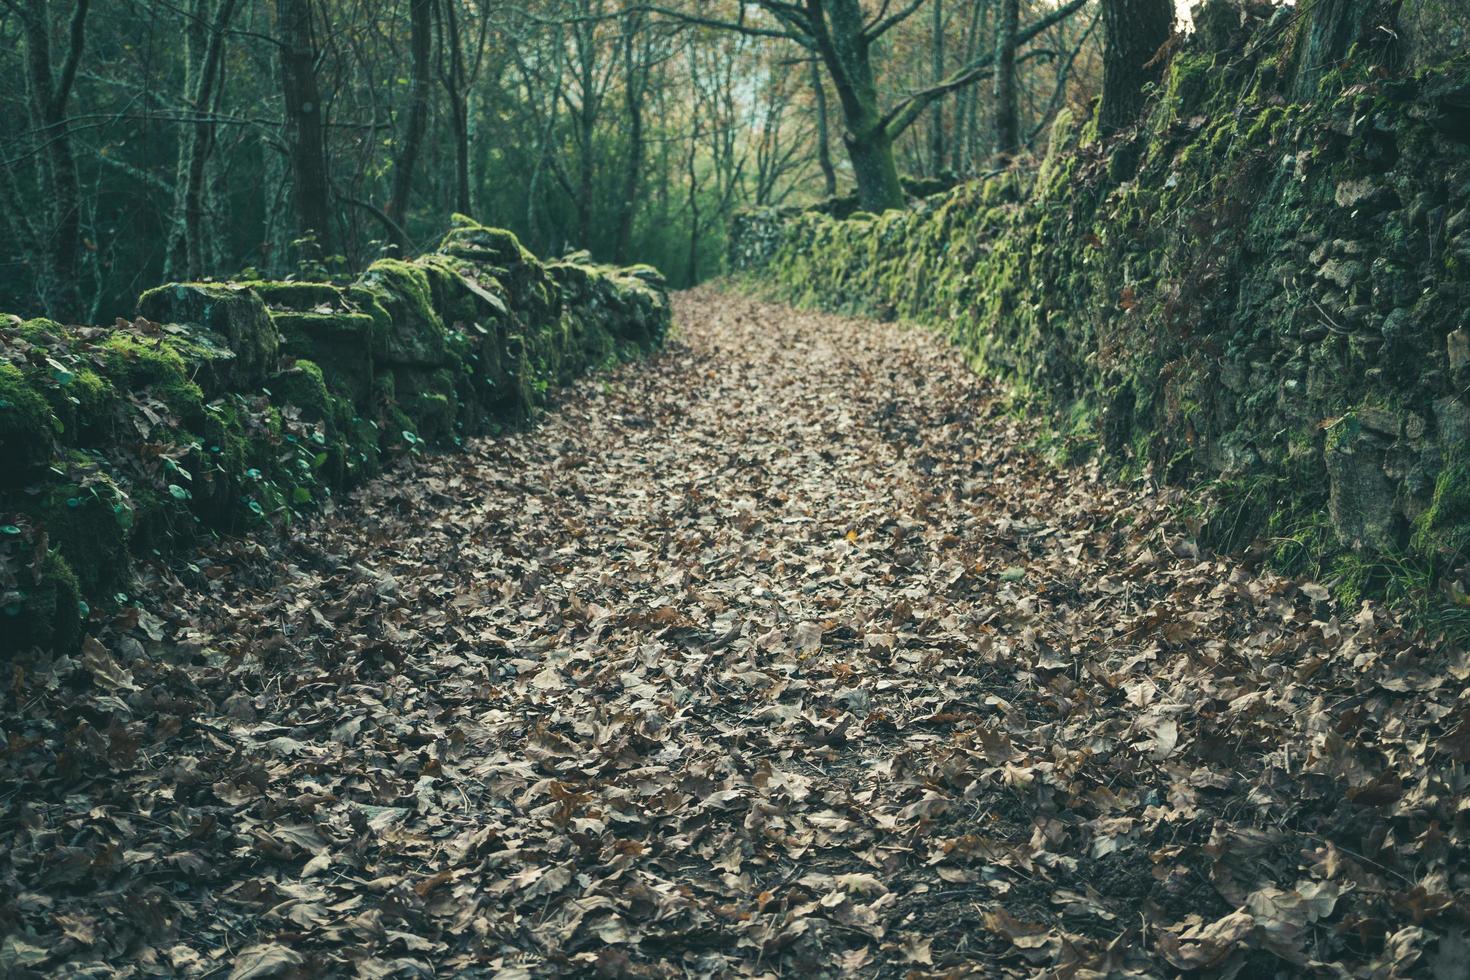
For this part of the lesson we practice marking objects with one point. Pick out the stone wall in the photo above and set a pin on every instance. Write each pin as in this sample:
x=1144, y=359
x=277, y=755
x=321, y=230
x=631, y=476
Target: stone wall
x=235, y=407
x=1267, y=294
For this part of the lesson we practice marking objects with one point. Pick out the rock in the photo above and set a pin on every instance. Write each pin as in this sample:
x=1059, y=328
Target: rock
x=1457, y=348
x=228, y=316
x=1364, y=197
x=1341, y=272
x=1361, y=498
x=415, y=333
x=342, y=343
x=1380, y=420
x=1452, y=420
x=474, y=242
x=1457, y=222
x=1392, y=286
x=1414, y=426
x=27, y=427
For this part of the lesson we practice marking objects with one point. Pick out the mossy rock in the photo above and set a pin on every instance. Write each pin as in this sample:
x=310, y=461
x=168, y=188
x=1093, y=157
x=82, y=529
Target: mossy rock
x=470, y=240
x=1443, y=530
x=41, y=605
x=89, y=519
x=59, y=365
x=465, y=296
x=235, y=314
x=134, y=440
x=160, y=364
x=28, y=428
x=430, y=401
x=299, y=296
x=303, y=385
x=416, y=335
x=342, y=343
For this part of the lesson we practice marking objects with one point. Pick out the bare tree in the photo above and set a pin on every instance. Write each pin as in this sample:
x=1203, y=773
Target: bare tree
x=411, y=141
x=49, y=93
x=306, y=144
x=204, y=34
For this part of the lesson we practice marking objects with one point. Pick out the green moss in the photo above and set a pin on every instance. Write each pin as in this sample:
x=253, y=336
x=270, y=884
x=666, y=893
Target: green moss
x=468, y=239
x=27, y=427
x=88, y=518
x=342, y=343
x=95, y=401
x=1443, y=530
x=233, y=340
x=430, y=401
x=416, y=334
x=303, y=385
x=299, y=296
x=41, y=607
x=62, y=371
x=153, y=364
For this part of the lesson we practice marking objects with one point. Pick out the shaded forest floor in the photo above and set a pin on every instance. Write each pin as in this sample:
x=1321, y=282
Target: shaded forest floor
x=778, y=654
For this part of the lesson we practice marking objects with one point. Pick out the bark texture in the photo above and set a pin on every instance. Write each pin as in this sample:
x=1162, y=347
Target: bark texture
x=1134, y=31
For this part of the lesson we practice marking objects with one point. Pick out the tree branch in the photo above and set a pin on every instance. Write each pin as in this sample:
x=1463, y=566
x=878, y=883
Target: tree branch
x=882, y=25
x=77, y=40
x=739, y=26
x=902, y=116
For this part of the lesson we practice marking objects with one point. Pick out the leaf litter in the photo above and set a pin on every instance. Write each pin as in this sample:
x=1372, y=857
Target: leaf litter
x=776, y=655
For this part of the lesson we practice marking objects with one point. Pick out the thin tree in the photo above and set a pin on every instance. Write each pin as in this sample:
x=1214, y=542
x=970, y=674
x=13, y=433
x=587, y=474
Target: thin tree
x=824, y=137
x=420, y=19
x=457, y=78
x=49, y=93
x=204, y=49
x=936, y=76
x=1007, y=129
x=637, y=70
x=306, y=142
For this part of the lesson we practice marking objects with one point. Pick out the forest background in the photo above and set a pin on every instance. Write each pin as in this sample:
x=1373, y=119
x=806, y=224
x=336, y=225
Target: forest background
x=151, y=140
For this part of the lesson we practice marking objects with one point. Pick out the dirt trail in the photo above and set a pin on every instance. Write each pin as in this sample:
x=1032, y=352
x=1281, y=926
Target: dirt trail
x=776, y=655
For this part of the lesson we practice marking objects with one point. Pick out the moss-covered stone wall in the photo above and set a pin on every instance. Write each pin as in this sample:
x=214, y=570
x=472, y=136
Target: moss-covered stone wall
x=1267, y=294
x=234, y=407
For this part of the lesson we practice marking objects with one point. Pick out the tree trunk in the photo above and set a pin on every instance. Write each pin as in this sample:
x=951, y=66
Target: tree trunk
x=587, y=111
x=1332, y=28
x=61, y=292
x=634, y=86
x=824, y=138
x=692, y=259
x=876, y=171
x=459, y=109
x=1134, y=31
x=845, y=49
x=420, y=14
x=936, y=75
x=305, y=134
x=1007, y=130
x=966, y=100
x=204, y=51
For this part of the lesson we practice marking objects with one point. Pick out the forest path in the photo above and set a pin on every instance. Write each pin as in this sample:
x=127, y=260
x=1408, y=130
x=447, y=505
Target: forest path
x=776, y=654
